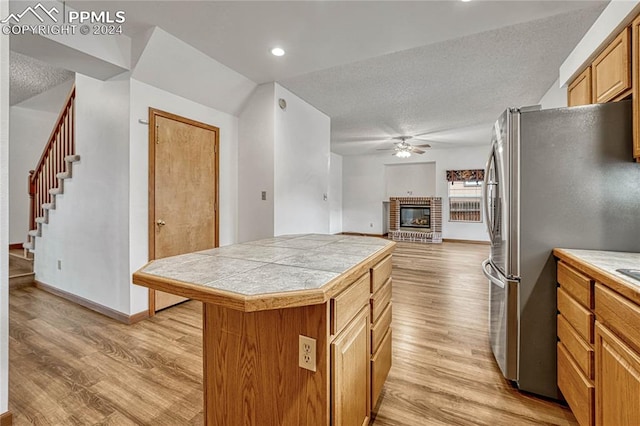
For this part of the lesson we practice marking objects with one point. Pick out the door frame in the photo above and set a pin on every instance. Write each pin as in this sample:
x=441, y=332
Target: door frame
x=153, y=113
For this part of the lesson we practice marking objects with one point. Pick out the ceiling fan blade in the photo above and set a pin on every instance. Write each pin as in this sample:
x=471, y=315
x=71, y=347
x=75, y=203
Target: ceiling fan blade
x=424, y=145
x=417, y=151
x=385, y=149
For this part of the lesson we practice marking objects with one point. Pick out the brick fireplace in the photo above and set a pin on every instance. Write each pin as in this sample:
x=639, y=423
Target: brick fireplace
x=415, y=227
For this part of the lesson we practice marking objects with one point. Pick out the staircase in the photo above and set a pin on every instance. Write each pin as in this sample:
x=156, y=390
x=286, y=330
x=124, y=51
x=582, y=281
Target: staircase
x=46, y=181
x=20, y=269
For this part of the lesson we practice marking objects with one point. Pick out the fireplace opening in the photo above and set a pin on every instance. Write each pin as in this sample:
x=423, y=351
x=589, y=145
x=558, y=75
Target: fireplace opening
x=415, y=217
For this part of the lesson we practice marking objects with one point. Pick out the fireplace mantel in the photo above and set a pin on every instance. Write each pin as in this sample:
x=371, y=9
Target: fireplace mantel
x=432, y=234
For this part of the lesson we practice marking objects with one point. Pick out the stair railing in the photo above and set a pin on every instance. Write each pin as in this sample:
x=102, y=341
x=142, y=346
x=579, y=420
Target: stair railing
x=60, y=144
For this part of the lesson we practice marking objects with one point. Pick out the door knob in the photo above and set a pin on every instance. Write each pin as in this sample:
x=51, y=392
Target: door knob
x=160, y=222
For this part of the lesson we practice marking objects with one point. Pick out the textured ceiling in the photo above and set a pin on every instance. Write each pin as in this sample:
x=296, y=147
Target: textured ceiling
x=30, y=77
x=452, y=90
x=383, y=68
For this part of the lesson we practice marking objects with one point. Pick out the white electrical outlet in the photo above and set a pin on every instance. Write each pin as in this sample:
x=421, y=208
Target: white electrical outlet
x=307, y=353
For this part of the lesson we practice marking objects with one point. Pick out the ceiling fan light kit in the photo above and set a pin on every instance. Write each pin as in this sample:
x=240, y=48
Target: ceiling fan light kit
x=403, y=153
x=404, y=149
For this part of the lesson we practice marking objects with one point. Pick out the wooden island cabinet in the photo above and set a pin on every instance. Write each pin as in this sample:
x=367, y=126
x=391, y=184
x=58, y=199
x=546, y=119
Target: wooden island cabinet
x=599, y=336
x=266, y=304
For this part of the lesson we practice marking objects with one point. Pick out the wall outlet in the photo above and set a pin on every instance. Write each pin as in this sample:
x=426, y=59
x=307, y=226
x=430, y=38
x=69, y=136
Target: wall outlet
x=264, y=195
x=307, y=352
x=371, y=225
x=59, y=265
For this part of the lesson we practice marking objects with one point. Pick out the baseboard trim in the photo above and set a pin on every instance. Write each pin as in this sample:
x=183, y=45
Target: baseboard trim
x=362, y=234
x=14, y=246
x=6, y=419
x=138, y=317
x=453, y=240
x=96, y=307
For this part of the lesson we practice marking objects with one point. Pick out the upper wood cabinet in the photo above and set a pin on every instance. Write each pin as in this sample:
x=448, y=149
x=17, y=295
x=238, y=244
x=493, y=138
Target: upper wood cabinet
x=635, y=67
x=611, y=70
x=579, y=91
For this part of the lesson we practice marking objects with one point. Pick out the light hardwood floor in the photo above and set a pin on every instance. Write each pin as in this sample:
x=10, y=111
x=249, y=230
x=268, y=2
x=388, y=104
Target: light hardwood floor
x=71, y=366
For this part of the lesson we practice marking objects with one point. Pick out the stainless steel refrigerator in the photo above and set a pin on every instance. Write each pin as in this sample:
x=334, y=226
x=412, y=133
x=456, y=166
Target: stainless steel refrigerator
x=555, y=178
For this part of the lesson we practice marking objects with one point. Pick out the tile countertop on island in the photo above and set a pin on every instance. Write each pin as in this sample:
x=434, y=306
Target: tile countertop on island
x=284, y=271
x=602, y=266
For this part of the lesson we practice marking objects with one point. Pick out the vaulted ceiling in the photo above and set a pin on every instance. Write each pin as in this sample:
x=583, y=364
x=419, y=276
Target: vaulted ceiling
x=383, y=68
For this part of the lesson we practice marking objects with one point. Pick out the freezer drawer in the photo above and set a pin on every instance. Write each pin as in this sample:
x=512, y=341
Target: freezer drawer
x=503, y=320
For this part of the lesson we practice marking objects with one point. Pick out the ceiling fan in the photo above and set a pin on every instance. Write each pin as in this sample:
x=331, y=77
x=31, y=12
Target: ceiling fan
x=404, y=149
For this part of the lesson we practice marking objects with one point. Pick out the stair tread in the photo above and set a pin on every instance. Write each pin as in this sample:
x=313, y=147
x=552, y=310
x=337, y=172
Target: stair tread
x=72, y=158
x=49, y=206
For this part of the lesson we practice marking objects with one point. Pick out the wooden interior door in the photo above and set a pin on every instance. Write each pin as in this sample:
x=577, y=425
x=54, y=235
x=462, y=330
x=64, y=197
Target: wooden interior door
x=183, y=191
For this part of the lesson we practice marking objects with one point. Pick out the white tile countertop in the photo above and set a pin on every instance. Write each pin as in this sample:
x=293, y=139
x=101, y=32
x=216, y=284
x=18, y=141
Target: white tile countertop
x=273, y=266
x=603, y=266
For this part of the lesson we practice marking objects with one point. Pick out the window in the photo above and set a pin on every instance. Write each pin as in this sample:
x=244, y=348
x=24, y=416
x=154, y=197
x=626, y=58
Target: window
x=465, y=195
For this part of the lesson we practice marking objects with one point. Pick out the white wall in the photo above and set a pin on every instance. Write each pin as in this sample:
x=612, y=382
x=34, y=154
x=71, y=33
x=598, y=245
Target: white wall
x=31, y=124
x=144, y=96
x=179, y=68
x=410, y=180
x=256, y=161
x=302, y=135
x=364, y=189
x=4, y=216
x=88, y=231
x=556, y=97
x=30, y=130
x=335, y=194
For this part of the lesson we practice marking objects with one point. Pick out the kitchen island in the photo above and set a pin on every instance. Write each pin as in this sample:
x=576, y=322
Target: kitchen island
x=261, y=300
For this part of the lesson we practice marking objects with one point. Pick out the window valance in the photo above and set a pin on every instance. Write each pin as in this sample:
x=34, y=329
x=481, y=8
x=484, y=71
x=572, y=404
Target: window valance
x=465, y=175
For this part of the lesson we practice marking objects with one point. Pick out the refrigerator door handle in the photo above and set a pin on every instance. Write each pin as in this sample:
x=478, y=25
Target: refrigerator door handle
x=485, y=196
x=490, y=277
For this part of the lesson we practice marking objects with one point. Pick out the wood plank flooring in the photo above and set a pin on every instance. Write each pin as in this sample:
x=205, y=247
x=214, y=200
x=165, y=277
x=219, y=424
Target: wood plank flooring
x=71, y=366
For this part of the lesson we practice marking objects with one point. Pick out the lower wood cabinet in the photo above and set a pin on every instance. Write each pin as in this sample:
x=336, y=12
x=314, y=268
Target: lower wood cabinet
x=598, y=350
x=361, y=345
x=617, y=380
x=350, y=377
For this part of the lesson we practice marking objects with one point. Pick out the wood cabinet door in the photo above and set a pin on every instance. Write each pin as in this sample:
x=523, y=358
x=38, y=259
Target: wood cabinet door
x=350, y=374
x=579, y=91
x=635, y=91
x=611, y=70
x=617, y=380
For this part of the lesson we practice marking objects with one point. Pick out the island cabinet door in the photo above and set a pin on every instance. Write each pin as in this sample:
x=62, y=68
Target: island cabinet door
x=350, y=374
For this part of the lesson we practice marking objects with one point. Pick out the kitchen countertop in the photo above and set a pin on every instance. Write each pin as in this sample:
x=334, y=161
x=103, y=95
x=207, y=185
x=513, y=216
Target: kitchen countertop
x=284, y=271
x=602, y=266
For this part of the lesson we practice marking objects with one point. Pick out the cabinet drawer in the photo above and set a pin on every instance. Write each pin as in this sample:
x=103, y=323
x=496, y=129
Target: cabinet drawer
x=380, y=327
x=380, y=300
x=380, y=273
x=611, y=70
x=347, y=304
x=619, y=314
x=578, y=285
x=576, y=388
x=380, y=366
x=580, y=351
x=577, y=315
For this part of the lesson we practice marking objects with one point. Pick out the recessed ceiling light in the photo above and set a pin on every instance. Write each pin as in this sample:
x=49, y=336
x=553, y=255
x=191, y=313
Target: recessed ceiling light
x=277, y=51
x=466, y=1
